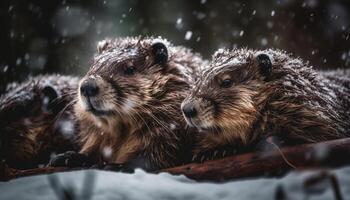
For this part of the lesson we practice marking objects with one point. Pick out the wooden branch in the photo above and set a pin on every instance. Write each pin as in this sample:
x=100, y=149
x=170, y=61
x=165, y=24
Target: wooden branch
x=325, y=154
x=10, y=173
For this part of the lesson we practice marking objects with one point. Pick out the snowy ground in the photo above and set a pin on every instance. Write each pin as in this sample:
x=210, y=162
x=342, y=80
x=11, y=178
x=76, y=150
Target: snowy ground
x=143, y=186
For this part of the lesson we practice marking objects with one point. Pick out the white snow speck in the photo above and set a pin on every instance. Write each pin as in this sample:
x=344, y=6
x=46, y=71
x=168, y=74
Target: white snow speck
x=241, y=33
x=179, y=24
x=321, y=152
x=46, y=102
x=269, y=24
x=18, y=61
x=66, y=128
x=172, y=126
x=263, y=42
x=179, y=21
x=200, y=15
x=107, y=152
x=26, y=56
x=188, y=35
x=53, y=154
x=6, y=67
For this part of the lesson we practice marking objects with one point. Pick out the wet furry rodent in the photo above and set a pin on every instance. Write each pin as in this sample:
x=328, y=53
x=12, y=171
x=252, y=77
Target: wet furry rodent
x=245, y=95
x=36, y=121
x=129, y=101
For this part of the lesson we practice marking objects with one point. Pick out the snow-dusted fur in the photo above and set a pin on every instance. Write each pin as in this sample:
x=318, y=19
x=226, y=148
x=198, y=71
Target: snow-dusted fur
x=35, y=119
x=142, y=125
x=293, y=101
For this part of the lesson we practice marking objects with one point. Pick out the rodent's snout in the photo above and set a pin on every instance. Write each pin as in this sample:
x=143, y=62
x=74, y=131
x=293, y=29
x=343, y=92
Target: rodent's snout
x=189, y=110
x=89, y=88
x=94, y=96
x=198, y=112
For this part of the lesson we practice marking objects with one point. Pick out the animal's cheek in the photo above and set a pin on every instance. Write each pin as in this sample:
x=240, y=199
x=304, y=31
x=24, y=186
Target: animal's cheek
x=130, y=103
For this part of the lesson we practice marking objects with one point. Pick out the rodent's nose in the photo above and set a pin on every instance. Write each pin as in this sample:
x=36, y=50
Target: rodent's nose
x=189, y=110
x=89, y=88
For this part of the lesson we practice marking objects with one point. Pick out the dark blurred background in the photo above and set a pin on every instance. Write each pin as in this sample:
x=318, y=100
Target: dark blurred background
x=46, y=36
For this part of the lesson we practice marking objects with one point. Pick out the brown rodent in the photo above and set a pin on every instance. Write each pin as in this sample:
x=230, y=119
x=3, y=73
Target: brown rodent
x=129, y=104
x=245, y=95
x=36, y=120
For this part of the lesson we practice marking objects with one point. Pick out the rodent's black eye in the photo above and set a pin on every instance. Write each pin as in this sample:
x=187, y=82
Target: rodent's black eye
x=226, y=83
x=130, y=70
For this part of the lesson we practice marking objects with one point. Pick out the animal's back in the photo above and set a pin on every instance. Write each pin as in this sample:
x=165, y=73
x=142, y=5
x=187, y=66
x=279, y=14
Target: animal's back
x=36, y=119
x=339, y=82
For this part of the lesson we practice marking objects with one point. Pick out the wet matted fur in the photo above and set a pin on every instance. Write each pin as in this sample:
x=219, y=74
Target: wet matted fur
x=245, y=95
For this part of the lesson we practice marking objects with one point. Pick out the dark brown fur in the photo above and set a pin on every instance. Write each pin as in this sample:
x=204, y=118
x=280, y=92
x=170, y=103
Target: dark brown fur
x=141, y=122
x=35, y=118
x=293, y=101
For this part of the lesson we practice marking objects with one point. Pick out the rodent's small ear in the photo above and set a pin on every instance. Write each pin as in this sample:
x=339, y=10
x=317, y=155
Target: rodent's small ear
x=265, y=64
x=49, y=97
x=160, y=53
x=103, y=45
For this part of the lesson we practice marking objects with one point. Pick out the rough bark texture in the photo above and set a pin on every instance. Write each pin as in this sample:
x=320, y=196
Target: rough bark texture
x=325, y=154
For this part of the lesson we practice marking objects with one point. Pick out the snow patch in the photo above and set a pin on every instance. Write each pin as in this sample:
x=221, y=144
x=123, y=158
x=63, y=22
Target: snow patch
x=145, y=186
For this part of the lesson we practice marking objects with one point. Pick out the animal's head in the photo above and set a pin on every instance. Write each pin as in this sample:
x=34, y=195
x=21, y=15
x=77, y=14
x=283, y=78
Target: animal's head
x=227, y=99
x=127, y=74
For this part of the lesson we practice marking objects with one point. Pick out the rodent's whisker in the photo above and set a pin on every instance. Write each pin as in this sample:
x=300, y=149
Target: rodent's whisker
x=145, y=110
x=60, y=114
x=60, y=98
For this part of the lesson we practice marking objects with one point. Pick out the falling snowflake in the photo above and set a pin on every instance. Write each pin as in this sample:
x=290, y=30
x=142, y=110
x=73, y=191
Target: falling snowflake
x=188, y=35
x=241, y=33
x=107, y=152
